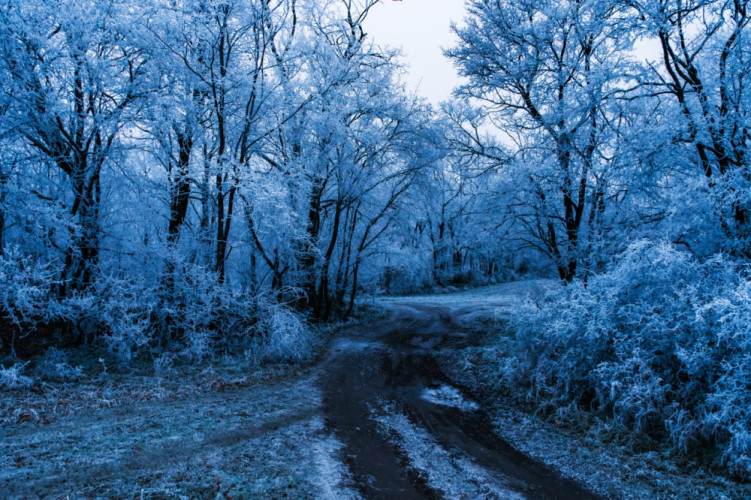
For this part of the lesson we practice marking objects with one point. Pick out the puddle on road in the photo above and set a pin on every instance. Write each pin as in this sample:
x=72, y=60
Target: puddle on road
x=447, y=395
x=352, y=345
x=428, y=342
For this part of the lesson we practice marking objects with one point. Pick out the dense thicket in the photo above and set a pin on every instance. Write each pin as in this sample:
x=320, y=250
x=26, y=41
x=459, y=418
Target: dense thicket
x=172, y=171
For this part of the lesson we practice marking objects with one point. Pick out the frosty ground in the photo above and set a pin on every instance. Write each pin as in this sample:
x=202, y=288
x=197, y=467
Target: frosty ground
x=393, y=406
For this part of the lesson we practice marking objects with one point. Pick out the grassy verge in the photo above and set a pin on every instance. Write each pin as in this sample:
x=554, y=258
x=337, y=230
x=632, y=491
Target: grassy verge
x=227, y=428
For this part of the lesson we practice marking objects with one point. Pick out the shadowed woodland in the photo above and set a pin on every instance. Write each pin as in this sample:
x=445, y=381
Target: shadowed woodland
x=181, y=180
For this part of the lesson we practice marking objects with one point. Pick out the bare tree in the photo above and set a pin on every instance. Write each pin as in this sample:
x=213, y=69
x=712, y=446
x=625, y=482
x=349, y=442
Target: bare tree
x=703, y=67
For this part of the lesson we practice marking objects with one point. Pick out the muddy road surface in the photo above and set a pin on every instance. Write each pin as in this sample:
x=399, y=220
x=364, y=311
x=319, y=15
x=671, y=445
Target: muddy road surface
x=407, y=432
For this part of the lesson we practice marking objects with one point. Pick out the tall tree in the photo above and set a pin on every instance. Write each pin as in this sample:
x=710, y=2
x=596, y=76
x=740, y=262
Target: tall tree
x=544, y=72
x=704, y=66
x=75, y=76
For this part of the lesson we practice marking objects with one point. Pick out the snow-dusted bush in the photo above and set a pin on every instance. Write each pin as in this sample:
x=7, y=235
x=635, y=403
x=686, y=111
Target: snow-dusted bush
x=24, y=291
x=660, y=344
x=11, y=378
x=54, y=366
x=203, y=315
x=282, y=335
x=192, y=317
x=124, y=314
x=164, y=364
x=114, y=312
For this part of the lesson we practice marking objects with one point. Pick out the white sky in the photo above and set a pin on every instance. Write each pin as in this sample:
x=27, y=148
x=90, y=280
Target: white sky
x=420, y=29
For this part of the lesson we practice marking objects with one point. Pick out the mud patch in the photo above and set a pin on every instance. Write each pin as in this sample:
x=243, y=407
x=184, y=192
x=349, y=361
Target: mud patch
x=438, y=443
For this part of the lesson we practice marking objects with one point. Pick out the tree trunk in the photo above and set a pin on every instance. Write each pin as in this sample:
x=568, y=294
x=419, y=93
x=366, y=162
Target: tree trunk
x=311, y=244
x=179, y=186
x=3, y=181
x=179, y=192
x=322, y=306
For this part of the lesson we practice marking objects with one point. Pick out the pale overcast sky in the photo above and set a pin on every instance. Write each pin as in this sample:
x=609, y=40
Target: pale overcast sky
x=420, y=28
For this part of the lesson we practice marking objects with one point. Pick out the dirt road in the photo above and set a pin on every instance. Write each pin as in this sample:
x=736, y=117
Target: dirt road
x=407, y=432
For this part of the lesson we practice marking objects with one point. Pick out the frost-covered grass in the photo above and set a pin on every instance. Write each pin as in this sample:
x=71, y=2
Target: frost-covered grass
x=12, y=378
x=582, y=452
x=203, y=416
x=505, y=294
x=203, y=433
x=54, y=366
x=477, y=306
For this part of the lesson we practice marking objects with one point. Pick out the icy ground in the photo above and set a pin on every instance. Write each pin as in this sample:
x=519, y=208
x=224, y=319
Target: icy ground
x=448, y=396
x=490, y=303
x=212, y=435
x=401, y=407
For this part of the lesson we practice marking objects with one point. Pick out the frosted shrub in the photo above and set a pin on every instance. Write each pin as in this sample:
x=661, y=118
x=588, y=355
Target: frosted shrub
x=164, y=364
x=54, y=366
x=80, y=313
x=124, y=312
x=189, y=311
x=727, y=412
x=205, y=316
x=198, y=344
x=115, y=310
x=283, y=336
x=24, y=289
x=11, y=378
x=660, y=344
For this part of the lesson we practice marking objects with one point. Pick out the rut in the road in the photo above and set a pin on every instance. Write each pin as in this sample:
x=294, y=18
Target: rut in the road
x=400, y=445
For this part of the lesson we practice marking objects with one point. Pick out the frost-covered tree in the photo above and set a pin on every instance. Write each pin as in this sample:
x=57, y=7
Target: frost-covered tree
x=133, y=137
x=342, y=164
x=74, y=75
x=234, y=53
x=545, y=74
x=702, y=69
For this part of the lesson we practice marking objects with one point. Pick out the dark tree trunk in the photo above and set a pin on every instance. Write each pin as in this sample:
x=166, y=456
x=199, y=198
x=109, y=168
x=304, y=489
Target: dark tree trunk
x=179, y=186
x=322, y=307
x=310, y=250
x=3, y=180
x=206, y=206
x=179, y=192
x=221, y=240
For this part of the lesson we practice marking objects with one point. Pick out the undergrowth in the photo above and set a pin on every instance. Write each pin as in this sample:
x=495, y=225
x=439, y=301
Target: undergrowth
x=658, y=348
x=190, y=319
